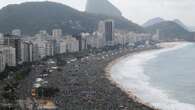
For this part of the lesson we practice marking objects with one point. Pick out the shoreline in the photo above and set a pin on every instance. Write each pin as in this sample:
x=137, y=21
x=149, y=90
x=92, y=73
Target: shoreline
x=83, y=84
x=129, y=93
x=111, y=96
x=165, y=45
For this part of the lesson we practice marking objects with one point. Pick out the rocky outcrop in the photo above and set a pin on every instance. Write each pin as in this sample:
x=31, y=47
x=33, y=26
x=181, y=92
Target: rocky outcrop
x=102, y=7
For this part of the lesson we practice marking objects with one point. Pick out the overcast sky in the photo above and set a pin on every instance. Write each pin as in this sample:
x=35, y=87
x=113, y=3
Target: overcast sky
x=139, y=11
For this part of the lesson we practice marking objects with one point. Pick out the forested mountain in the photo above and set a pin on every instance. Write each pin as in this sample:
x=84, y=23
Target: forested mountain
x=31, y=17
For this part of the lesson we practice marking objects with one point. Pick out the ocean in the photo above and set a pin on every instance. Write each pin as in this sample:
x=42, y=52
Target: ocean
x=164, y=78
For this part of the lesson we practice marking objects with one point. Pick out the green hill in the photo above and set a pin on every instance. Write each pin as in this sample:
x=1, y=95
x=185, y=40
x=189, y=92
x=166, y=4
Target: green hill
x=31, y=17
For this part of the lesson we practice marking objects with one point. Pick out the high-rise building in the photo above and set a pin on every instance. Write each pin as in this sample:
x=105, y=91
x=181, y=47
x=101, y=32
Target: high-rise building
x=7, y=56
x=49, y=48
x=82, y=41
x=156, y=36
x=16, y=43
x=109, y=27
x=72, y=44
x=16, y=32
x=56, y=33
x=62, y=47
x=109, y=30
x=101, y=27
x=10, y=56
x=106, y=30
x=35, y=52
x=1, y=39
x=2, y=61
x=55, y=46
x=1, y=35
x=41, y=46
x=27, y=52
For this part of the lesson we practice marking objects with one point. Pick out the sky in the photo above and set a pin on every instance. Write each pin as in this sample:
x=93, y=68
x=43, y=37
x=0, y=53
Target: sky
x=138, y=11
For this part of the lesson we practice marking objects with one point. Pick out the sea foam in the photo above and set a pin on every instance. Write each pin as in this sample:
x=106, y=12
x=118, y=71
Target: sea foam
x=128, y=73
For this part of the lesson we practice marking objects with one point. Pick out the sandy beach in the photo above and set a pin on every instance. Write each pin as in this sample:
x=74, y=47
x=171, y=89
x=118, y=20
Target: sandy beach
x=90, y=88
x=165, y=45
x=83, y=84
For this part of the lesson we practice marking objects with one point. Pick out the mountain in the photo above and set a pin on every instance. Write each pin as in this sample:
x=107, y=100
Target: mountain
x=153, y=21
x=180, y=23
x=31, y=17
x=170, y=30
x=103, y=7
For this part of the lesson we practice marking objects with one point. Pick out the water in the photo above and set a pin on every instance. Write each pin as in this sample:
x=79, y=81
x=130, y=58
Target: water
x=164, y=78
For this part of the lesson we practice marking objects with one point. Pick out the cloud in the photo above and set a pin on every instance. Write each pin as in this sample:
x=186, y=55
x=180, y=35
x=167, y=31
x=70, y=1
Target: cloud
x=141, y=10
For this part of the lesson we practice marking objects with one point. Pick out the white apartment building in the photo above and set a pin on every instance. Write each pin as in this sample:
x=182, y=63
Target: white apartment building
x=156, y=36
x=7, y=57
x=1, y=35
x=124, y=37
x=49, y=48
x=35, y=52
x=94, y=40
x=72, y=44
x=42, y=35
x=10, y=56
x=27, y=52
x=1, y=39
x=39, y=49
x=2, y=61
x=56, y=34
x=62, y=47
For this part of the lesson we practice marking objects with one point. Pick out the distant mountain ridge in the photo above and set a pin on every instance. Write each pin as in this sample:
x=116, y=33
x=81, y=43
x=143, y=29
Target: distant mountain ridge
x=159, y=20
x=169, y=30
x=103, y=7
x=31, y=17
x=180, y=23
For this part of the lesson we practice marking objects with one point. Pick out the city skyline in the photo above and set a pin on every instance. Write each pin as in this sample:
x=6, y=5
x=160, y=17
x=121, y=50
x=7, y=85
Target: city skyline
x=167, y=9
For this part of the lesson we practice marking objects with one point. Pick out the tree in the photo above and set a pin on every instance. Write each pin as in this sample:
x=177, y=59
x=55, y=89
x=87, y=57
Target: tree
x=9, y=92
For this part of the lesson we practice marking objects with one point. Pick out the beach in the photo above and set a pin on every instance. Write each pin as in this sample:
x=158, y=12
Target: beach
x=132, y=80
x=83, y=84
x=88, y=83
x=88, y=88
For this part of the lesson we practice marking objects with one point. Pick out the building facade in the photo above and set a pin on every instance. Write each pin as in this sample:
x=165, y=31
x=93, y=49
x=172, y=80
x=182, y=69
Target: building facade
x=7, y=57
x=56, y=34
x=2, y=61
x=15, y=42
x=109, y=27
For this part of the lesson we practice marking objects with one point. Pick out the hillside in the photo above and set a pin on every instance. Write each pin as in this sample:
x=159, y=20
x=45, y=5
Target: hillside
x=170, y=30
x=31, y=17
x=153, y=21
x=103, y=7
x=181, y=24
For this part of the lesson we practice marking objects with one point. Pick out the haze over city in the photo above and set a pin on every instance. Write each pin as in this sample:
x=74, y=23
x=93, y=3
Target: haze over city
x=139, y=11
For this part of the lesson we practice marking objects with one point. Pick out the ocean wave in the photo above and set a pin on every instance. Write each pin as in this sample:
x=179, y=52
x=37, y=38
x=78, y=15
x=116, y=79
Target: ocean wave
x=128, y=73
